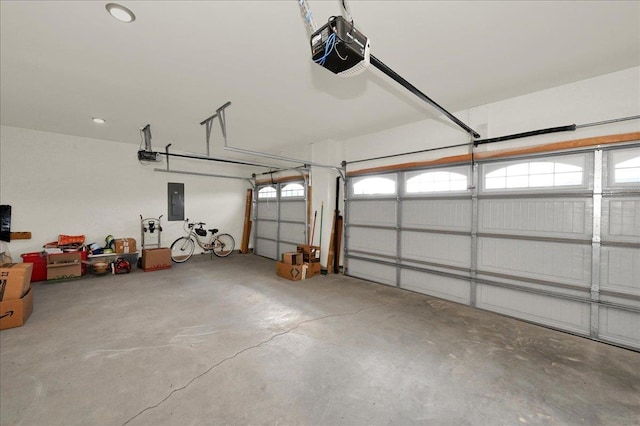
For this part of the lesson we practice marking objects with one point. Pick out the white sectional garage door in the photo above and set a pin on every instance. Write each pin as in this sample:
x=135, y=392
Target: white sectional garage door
x=552, y=239
x=280, y=218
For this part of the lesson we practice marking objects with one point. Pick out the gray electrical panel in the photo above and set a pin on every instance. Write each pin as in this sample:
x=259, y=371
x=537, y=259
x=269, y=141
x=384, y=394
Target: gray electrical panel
x=175, y=201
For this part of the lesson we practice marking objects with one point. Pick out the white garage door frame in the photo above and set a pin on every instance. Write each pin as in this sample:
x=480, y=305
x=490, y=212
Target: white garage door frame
x=566, y=257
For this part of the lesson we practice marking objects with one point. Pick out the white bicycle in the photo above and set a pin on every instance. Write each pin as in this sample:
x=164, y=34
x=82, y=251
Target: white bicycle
x=221, y=245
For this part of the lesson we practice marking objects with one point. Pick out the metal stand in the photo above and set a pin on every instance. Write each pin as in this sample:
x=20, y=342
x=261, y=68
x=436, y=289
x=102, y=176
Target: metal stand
x=150, y=225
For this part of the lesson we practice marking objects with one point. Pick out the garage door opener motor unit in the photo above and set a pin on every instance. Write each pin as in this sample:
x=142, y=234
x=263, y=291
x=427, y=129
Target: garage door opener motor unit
x=339, y=47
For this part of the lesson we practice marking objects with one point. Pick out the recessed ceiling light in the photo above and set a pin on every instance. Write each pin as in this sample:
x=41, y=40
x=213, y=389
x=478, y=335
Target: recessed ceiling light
x=98, y=120
x=121, y=13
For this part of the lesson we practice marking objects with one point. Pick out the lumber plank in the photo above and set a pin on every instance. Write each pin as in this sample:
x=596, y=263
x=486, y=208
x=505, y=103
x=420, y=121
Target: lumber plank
x=21, y=235
x=331, y=245
x=246, y=230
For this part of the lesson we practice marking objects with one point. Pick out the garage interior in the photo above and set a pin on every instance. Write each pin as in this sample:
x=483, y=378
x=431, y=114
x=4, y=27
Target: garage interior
x=474, y=200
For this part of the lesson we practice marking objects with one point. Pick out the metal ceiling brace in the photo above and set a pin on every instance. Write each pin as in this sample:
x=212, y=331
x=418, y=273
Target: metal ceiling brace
x=220, y=113
x=208, y=123
x=146, y=133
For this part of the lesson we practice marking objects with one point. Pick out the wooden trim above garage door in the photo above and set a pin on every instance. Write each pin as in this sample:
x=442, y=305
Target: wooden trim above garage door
x=538, y=149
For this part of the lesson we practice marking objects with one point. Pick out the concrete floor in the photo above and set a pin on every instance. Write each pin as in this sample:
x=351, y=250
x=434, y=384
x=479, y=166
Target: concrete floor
x=226, y=341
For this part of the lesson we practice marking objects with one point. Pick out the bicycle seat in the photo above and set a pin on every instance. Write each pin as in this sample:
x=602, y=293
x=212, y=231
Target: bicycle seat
x=213, y=231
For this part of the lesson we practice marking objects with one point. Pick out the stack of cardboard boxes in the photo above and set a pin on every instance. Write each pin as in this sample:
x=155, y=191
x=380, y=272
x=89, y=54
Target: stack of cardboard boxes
x=300, y=265
x=63, y=266
x=16, y=296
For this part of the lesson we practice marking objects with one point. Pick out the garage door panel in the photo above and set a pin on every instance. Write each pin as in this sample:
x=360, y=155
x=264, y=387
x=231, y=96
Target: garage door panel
x=446, y=215
x=619, y=326
x=373, y=213
x=620, y=269
x=552, y=311
x=373, y=271
x=292, y=232
x=377, y=241
x=550, y=217
x=294, y=211
x=266, y=248
x=266, y=229
x=550, y=261
x=524, y=285
x=445, y=249
x=457, y=290
x=267, y=210
x=621, y=219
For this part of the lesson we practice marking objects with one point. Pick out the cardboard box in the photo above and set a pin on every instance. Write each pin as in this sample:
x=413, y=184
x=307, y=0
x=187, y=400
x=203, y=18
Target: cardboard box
x=292, y=258
x=14, y=313
x=310, y=254
x=61, y=266
x=291, y=272
x=313, y=269
x=125, y=245
x=156, y=259
x=15, y=280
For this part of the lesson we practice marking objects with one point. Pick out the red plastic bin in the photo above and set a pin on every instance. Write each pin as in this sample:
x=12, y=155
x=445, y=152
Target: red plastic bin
x=39, y=260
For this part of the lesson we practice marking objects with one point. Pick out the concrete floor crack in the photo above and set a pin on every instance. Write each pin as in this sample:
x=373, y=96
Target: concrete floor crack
x=240, y=352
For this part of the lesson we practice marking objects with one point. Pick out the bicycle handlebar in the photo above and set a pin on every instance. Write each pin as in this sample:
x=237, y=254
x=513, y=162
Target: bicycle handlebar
x=191, y=225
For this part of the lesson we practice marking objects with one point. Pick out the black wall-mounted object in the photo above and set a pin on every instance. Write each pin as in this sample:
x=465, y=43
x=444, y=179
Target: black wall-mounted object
x=175, y=196
x=5, y=222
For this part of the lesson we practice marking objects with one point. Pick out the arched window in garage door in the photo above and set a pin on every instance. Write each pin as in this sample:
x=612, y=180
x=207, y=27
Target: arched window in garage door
x=267, y=192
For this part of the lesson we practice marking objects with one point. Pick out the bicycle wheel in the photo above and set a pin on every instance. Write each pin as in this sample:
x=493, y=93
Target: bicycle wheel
x=182, y=249
x=223, y=245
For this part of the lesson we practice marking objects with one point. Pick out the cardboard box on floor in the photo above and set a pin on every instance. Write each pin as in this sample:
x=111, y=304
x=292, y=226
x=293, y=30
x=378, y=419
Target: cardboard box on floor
x=16, y=296
x=156, y=259
x=291, y=272
x=310, y=254
x=313, y=269
x=297, y=272
x=61, y=266
x=292, y=258
x=14, y=313
x=15, y=280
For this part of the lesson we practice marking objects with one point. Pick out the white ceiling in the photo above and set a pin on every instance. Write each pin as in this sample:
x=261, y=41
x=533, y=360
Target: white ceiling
x=63, y=62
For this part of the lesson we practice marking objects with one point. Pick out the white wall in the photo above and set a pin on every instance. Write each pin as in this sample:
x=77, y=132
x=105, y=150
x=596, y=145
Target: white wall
x=60, y=184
